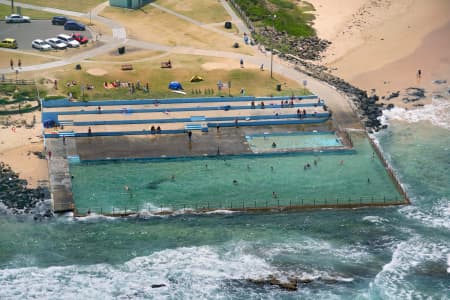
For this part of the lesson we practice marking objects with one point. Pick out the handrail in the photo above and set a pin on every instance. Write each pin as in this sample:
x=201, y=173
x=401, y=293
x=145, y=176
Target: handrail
x=245, y=206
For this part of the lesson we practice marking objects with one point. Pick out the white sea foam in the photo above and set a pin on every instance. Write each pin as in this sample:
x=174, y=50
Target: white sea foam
x=391, y=282
x=438, y=113
x=221, y=212
x=448, y=263
x=375, y=219
x=438, y=216
x=351, y=254
x=189, y=273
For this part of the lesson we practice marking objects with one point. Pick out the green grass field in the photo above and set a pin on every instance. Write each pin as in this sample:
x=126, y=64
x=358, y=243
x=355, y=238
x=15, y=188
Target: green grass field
x=205, y=11
x=295, y=20
x=5, y=10
x=254, y=81
x=77, y=5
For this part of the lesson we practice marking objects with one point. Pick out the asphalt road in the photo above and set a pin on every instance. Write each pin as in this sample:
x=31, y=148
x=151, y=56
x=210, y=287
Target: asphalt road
x=25, y=33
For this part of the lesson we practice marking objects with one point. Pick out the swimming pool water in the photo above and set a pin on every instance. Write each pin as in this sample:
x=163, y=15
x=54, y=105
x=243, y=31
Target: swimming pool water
x=233, y=182
x=290, y=141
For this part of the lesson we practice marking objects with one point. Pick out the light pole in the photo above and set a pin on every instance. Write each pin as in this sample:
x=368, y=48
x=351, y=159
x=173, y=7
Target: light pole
x=271, y=50
x=12, y=6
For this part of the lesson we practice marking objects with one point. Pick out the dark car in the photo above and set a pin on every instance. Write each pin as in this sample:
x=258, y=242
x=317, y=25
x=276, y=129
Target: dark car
x=73, y=25
x=59, y=20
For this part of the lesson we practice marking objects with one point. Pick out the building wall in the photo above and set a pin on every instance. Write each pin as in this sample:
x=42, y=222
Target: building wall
x=134, y=4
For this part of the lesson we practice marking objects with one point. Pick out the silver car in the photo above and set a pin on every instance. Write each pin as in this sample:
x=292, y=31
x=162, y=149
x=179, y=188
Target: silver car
x=15, y=18
x=40, y=45
x=56, y=43
x=70, y=41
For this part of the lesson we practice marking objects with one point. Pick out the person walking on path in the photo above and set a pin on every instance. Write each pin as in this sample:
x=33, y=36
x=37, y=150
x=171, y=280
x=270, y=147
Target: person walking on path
x=242, y=62
x=19, y=63
x=11, y=63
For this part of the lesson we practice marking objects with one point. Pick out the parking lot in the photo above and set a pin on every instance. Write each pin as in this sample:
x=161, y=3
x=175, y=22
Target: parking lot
x=25, y=33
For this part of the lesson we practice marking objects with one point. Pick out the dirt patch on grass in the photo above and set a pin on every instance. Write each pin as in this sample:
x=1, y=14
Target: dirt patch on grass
x=216, y=65
x=96, y=72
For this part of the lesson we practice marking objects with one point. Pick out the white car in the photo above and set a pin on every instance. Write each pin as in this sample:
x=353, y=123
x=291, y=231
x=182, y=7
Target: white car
x=56, y=43
x=15, y=18
x=70, y=41
x=41, y=45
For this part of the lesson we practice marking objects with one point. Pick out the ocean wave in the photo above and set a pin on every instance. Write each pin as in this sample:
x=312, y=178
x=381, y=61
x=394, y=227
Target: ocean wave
x=438, y=216
x=190, y=272
x=375, y=219
x=351, y=254
x=394, y=282
x=438, y=113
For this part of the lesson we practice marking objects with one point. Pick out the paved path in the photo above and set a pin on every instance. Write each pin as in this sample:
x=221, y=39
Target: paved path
x=234, y=18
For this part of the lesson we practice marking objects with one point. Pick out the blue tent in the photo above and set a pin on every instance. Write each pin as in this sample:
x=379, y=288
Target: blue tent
x=175, y=85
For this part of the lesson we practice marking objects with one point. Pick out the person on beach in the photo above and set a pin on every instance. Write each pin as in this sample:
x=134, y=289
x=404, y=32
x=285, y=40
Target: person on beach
x=19, y=63
x=11, y=63
x=89, y=131
x=49, y=155
x=419, y=74
x=64, y=140
x=190, y=135
x=241, y=62
x=261, y=67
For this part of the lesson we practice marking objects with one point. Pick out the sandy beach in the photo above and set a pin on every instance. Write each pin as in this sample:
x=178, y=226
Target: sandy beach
x=381, y=44
x=17, y=145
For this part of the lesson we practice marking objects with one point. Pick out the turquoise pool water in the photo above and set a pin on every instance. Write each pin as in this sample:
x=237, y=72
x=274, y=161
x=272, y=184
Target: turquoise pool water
x=233, y=182
x=290, y=141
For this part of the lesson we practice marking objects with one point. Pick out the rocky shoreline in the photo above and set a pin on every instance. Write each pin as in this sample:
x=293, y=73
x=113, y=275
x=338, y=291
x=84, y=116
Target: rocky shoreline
x=18, y=199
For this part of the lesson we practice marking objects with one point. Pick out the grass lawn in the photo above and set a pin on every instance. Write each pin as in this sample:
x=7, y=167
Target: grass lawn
x=253, y=81
x=27, y=59
x=153, y=25
x=295, y=19
x=205, y=11
x=77, y=5
x=5, y=10
x=130, y=55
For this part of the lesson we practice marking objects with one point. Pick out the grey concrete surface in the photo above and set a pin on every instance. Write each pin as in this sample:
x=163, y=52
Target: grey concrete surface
x=25, y=33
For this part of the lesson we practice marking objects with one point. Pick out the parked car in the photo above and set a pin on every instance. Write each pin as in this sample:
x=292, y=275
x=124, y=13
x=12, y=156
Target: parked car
x=59, y=20
x=72, y=43
x=40, y=45
x=73, y=25
x=15, y=18
x=8, y=43
x=56, y=43
x=80, y=38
